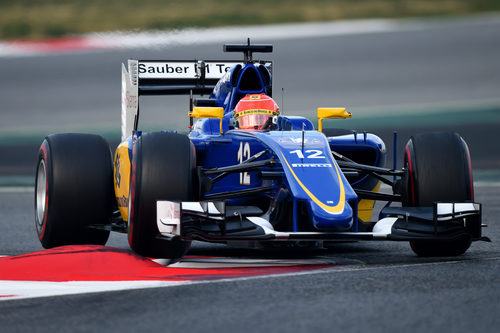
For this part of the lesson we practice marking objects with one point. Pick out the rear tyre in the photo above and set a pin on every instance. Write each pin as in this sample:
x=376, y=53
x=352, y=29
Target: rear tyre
x=439, y=169
x=73, y=190
x=163, y=168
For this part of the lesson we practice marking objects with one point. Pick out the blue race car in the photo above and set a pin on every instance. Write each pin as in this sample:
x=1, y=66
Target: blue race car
x=247, y=175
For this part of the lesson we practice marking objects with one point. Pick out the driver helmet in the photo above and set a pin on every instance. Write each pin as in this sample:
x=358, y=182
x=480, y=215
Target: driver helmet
x=253, y=111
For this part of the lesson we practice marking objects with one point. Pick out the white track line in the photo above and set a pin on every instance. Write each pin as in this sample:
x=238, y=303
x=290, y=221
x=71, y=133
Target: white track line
x=17, y=189
x=227, y=262
x=10, y=290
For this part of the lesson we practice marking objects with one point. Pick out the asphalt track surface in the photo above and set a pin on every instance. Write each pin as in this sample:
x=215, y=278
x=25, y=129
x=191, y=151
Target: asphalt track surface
x=375, y=286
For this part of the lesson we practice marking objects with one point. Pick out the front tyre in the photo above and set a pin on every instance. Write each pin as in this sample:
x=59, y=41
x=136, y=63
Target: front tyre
x=163, y=168
x=73, y=190
x=439, y=169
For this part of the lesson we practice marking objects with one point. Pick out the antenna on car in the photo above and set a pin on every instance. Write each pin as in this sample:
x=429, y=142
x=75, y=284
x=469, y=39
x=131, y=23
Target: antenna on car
x=282, y=101
x=190, y=109
x=303, y=132
x=248, y=49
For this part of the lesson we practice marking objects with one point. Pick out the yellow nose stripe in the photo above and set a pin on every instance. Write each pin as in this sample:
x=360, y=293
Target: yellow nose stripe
x=339, y=207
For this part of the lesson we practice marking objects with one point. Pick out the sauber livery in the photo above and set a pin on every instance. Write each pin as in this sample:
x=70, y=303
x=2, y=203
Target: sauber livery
x=245, y=174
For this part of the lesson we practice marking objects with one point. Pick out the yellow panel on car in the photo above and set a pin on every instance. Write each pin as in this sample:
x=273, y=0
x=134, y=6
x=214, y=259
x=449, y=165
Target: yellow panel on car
x=331, y=113
x=121, y=178
x=365, y=206
x=208, y=112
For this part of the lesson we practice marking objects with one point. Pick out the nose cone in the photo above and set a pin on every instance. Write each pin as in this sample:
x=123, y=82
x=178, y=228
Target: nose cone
x=326, y=221
x=314, y=178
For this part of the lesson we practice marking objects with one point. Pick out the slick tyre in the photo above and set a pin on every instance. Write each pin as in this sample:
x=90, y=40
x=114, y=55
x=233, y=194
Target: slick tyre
x=438, y=169
x=73, y=190
x=163, y=168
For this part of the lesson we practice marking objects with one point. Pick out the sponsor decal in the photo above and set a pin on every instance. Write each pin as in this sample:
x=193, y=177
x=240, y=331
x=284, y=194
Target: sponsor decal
x=130, y=101
x=299, y=140
x=122, y=201
x=182, y=70
x=307, y=140
x=163, y=69
x=118, y=177
x=255, y=111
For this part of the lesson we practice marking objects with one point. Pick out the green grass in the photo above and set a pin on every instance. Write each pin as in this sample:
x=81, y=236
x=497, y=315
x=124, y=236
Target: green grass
x=54, y=18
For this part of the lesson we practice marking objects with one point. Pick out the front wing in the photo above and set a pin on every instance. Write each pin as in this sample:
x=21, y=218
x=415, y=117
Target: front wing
x=214, y=222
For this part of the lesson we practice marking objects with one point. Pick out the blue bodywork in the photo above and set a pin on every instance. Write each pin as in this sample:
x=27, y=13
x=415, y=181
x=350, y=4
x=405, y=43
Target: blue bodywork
x=311, y=193
x=285, y=184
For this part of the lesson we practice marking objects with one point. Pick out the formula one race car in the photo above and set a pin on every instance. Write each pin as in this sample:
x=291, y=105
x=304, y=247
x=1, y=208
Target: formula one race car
x=247, y=175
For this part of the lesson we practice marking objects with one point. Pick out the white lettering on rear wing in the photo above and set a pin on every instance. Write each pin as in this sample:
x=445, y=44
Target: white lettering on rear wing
x=183, y=69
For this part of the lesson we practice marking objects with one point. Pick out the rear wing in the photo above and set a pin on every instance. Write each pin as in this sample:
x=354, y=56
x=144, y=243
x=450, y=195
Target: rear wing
x=167, y=77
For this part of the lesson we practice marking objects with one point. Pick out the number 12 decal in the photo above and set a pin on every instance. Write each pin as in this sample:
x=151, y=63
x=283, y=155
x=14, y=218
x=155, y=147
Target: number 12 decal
x=312, y=153
x=244, y=154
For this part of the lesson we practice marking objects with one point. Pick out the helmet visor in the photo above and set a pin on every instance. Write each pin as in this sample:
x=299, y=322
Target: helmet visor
x=253, y=119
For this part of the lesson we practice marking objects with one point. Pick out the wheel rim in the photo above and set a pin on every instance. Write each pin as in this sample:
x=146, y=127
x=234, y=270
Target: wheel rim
x=41, y=192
